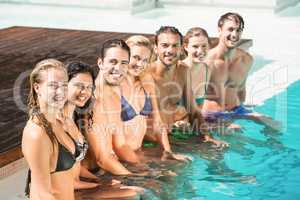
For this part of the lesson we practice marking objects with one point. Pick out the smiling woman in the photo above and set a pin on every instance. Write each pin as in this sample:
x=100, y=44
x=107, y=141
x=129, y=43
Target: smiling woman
x=76, y=110
x=44, y=141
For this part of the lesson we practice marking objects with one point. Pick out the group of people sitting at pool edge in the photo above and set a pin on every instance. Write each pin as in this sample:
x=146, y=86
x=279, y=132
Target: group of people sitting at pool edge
x=141, y=91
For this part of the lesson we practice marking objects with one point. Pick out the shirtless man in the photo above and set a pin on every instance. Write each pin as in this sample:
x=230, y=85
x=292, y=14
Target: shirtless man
x=106, y=138
x=230, y=66
x=226, y=61
x=172, y=79
x=231, y=26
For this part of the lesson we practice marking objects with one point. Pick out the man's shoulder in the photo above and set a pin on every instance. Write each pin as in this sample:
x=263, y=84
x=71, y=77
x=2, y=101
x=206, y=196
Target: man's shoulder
x=246, y=58
x=182, y=66
x=213, y=60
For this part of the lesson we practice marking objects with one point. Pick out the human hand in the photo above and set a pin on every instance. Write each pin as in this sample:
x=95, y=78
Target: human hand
x=180, y=157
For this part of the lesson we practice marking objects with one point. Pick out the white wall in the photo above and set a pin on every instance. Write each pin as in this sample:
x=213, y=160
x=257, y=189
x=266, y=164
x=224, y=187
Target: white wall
x=130, y=5
x=234, y=3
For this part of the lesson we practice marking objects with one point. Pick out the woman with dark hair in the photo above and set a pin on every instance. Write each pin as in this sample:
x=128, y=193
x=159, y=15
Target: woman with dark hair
x=76, y=110
x=49, y=149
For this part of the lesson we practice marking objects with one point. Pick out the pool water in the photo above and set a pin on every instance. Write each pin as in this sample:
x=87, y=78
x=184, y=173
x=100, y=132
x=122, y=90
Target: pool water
x=260, y=164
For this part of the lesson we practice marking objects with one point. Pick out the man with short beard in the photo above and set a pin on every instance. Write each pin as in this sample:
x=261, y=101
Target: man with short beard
x=172, y=79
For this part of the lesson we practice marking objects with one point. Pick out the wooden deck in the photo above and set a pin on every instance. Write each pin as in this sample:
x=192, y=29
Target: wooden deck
x=20, y=49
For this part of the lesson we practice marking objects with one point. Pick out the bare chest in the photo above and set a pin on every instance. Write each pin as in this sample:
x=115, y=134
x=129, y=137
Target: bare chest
x=237, y=73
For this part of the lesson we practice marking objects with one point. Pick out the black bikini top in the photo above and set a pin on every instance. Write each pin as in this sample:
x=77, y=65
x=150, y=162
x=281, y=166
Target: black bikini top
x=67, y=159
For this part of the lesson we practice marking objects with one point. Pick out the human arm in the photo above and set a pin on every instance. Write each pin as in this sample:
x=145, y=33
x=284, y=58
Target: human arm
x=247, y=62
x=37, y=150
x=195, y=116
x=104, y=158
x=100, y=140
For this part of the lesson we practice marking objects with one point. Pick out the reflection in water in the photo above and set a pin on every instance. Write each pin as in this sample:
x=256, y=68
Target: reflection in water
x=259, y=164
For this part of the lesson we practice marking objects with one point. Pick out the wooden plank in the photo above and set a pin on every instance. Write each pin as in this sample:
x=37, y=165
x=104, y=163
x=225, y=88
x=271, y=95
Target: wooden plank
x=10, y=156
x=20, y=49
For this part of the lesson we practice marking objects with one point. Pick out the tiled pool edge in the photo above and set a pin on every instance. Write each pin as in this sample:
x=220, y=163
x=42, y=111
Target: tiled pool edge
x=12, y=168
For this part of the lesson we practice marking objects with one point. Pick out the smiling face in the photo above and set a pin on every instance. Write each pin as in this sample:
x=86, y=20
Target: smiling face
x=80, y=89
x=197, y=48
x=52, y=88
x=140, y=57
x=168, y=48
x=114, y=65
x=230, y=33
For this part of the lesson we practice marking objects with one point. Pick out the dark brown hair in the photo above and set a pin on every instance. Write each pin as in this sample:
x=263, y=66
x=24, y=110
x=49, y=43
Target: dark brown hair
x=238, y=19
x=113, y=43
x=82, y=115
x=168, y=29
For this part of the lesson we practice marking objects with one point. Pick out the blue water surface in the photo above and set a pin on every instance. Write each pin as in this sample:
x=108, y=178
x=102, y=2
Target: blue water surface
x=260, y=164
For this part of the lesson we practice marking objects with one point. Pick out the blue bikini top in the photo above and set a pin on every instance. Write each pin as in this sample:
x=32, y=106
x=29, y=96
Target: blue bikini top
x=128, y=112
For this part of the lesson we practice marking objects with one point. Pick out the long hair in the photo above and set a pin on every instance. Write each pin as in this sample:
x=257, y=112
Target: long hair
x=33, y=104
x=82, y=115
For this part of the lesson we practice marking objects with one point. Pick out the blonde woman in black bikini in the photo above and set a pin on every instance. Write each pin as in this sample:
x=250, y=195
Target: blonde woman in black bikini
x=49, y=149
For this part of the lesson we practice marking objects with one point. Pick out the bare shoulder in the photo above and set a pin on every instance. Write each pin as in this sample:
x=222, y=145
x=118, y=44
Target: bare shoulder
x=147, y=77
x=183, y=64
x=151, y=68
x=211, y=54
x=247, y=59
x=34, y=131
x=35, y=136
x=182, y=67
x=213, y=61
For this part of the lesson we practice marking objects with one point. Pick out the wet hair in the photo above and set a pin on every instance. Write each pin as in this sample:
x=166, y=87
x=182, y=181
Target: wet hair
x=82, y=115
x=195, y=32
x=113, y=43
x=238, y=19
x=139, y=40
x=33, y=104
x=168, y=29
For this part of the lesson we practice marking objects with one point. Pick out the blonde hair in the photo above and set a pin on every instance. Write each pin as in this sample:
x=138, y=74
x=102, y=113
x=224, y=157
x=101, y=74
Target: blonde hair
x=33, y=105
x=139, y=40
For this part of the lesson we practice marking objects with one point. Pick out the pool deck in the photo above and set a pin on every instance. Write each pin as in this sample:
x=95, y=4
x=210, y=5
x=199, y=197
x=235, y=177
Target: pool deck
x=20, y=49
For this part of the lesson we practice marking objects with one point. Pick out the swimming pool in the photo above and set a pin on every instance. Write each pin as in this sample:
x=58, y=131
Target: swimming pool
x=260, y=164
